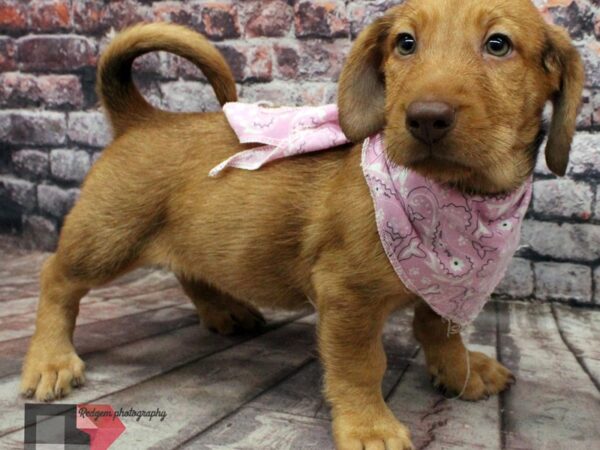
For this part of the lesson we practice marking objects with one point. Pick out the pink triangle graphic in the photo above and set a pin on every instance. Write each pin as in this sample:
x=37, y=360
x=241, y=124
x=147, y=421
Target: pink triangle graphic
x=104, y=427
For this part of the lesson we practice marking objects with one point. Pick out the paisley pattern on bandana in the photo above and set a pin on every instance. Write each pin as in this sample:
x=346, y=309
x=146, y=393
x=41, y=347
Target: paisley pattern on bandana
x=449, y=248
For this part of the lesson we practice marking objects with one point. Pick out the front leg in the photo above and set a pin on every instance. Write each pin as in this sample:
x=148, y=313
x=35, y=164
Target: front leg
x=447, y=359
x=350, y=329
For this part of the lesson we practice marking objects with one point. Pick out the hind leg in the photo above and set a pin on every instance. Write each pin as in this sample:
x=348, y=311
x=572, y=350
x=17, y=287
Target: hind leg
x=96, y=246
x=52, y=366
x=220, y=312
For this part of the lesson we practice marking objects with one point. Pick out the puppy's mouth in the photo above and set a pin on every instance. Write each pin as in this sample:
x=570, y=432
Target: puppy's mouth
x=446, y=172
x=440, y=165
x=434, y=157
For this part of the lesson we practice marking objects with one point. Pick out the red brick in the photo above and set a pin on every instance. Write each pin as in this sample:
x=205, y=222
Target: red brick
x=249, y=63
x=13, y=16
x=259, y=66
x=285, y=94
x=220, y=21
x=215, y=20
x=19, y=90
x=576, y=16
x=189, y=96
x=236, y=60
x=177, y=67
x=98, y=16
x=182, y=13
x=7, y=54
x=50, y=15
x=317, y=94
x=56, y=53
x=279, y=93
x=272, y=18
x=321, y=18
x=90, y=129
x=322, y=60
x=32, y=128
x=361, y=14
x=287, y=61
x=167, y=65
x=148, y=64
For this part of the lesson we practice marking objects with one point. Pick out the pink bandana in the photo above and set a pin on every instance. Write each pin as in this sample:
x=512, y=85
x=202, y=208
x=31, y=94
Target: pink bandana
x=284, y=131
x=449, y=248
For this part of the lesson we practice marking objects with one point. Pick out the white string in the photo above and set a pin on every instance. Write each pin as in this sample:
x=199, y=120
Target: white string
x=466, y=379
x=454, y=328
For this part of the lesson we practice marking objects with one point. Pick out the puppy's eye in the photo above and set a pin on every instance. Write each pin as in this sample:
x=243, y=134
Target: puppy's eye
x=499, y=45
x=406, y=44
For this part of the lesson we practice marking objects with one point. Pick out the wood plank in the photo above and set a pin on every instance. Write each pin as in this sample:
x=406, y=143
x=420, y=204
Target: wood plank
x=25, y=266
x=99, y=336
x=137, y=283
x=301, y=394
x=580, y=328
x=19, y=274
x=122, y=367
x=141, y=290
x=439, y=423
x=23, y=298
x=20, y=282
x=198, y=394
x=284, y=416
x=250, y=429
x=554, y=403
x=94, y=310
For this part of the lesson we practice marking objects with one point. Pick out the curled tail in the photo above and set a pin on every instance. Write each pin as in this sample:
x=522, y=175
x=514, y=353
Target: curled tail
x=121, y=99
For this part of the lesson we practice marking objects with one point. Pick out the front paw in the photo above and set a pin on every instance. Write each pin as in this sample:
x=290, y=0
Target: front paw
x=370, y=431
x=487, y=376
x=51, y=373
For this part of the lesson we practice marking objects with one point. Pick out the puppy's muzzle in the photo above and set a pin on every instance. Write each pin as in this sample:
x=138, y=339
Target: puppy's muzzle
x=429, y=122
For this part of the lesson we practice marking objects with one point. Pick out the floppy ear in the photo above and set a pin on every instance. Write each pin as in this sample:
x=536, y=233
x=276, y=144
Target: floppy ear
x=562, y=60
x=361, y=96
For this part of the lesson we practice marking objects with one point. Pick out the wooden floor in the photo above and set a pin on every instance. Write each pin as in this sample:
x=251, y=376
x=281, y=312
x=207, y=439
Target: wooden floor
x=144, y=349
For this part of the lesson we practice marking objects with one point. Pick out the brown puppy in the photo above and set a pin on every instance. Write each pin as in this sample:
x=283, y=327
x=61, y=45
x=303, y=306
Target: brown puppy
x=305, y=227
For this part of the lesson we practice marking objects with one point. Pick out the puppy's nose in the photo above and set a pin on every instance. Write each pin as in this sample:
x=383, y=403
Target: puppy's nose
x=430, y=121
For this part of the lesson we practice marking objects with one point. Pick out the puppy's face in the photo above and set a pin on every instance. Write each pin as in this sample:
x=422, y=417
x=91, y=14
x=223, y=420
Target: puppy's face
x=460, y=87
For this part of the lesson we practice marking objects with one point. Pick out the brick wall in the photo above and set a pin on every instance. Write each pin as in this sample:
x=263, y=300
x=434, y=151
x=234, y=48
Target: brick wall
x=290, y=52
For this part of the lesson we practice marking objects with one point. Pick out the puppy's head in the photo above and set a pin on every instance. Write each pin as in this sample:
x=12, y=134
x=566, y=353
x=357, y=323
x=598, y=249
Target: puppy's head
x=460, y=88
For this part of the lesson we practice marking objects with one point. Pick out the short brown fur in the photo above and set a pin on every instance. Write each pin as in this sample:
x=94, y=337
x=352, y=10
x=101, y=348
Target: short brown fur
x=304, y=228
